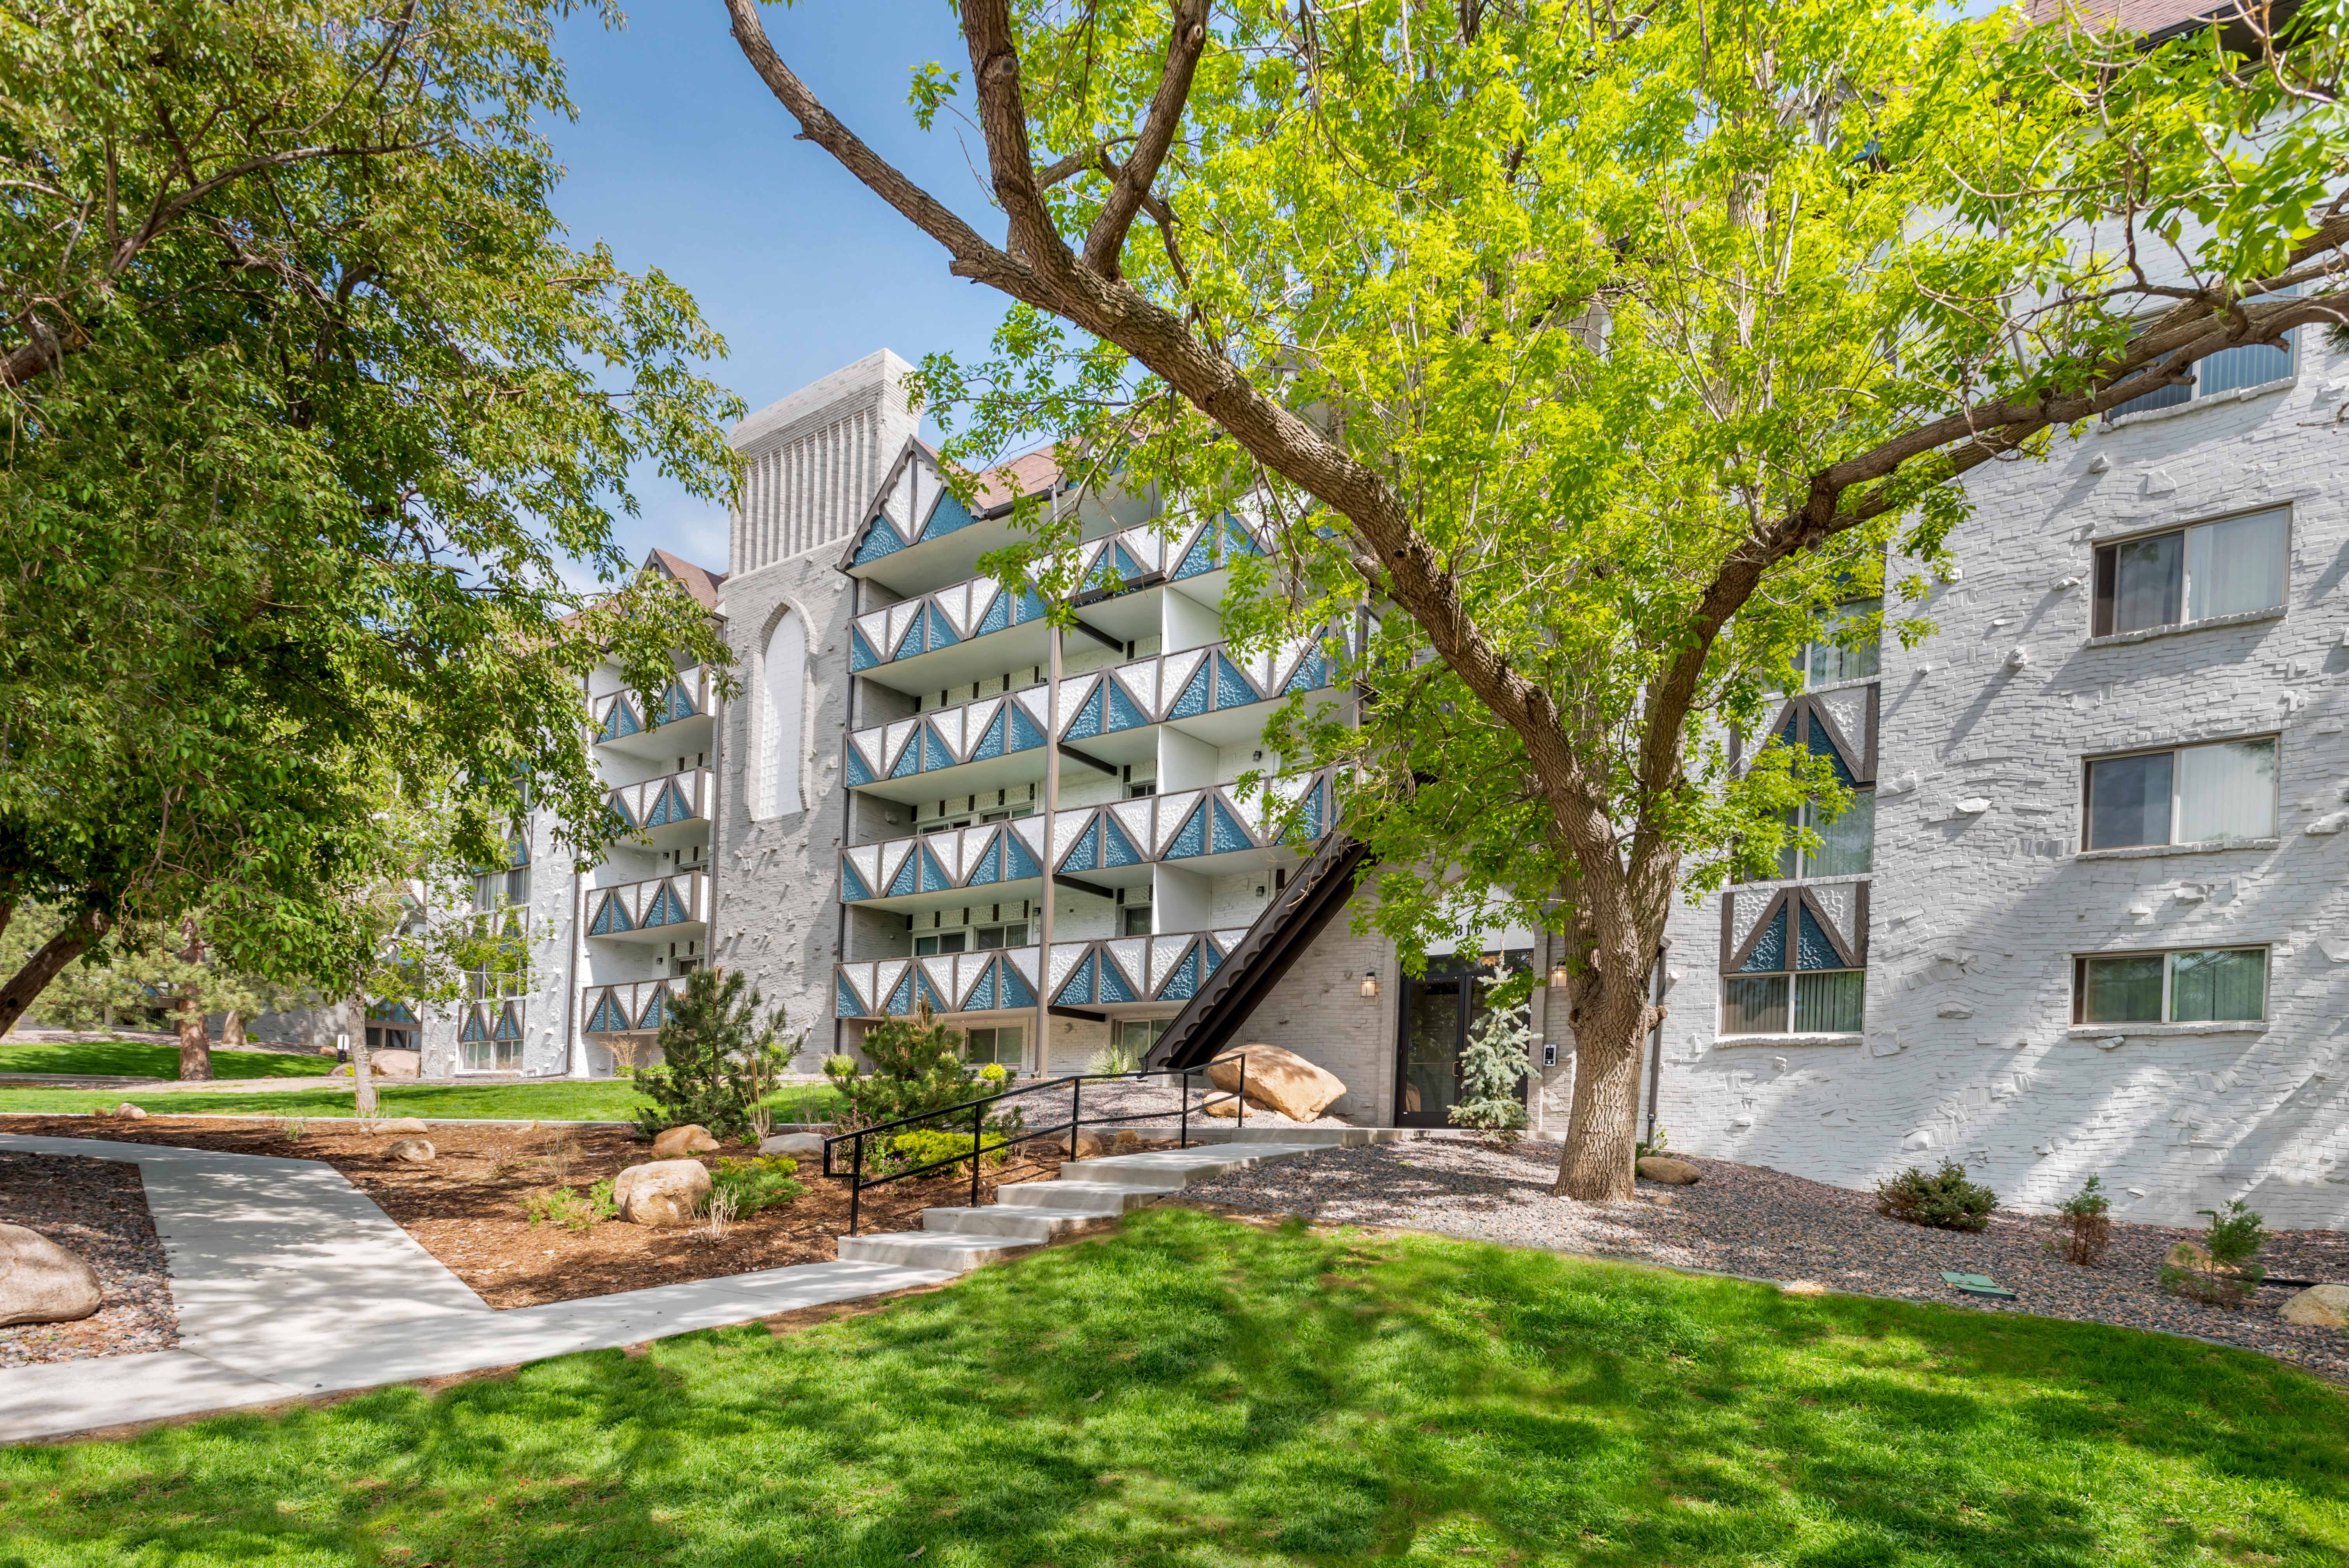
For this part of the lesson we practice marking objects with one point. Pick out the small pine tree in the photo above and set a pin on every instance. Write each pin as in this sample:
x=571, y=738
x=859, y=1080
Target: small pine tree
x=918, y=1066
x=715, y=1052
x=1498, y=1055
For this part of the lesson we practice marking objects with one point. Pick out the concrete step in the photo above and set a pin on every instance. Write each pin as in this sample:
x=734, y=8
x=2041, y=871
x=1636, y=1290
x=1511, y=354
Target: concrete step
x=1031, y=1224
x=1157, y=1167
x=1091, y=1197
x=940, y=1250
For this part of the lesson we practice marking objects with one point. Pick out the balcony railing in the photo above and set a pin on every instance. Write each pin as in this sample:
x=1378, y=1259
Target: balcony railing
x=634, y=1006
x=1106, y=972
x=621, y=714
x=657, y=905
x=662, y=803
x=963, y=612
x=1130, y=697
x=1187, y=825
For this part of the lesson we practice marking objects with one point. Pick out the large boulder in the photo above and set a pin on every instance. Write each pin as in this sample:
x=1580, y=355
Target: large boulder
x=666, y=1193
x=395, y=1064
x=805, y=1147
x=690, y=1138
x=130, y=1112
x=1670, y=1171
x=415, y=1150
x=40, y=1281
x=2319, y=1306
x=1279, y=1080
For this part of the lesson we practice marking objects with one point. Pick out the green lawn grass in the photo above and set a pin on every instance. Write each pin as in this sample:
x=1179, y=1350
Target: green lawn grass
x=601, y=1100
x=142, y=1059
x=1196, y=1392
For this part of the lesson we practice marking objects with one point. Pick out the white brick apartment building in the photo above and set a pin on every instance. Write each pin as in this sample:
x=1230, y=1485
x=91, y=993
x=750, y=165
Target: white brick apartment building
x=1990, y=960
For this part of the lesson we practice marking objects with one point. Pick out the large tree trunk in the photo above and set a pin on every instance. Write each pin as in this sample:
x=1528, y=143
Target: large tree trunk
x=26, y=985
x=232, y=1030
x=1611, y=1021
x=195, y=1038
x=362, y=1080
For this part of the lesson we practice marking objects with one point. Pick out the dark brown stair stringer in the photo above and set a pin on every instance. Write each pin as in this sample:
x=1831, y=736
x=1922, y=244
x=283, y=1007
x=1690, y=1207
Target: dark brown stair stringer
x=1205, y=1026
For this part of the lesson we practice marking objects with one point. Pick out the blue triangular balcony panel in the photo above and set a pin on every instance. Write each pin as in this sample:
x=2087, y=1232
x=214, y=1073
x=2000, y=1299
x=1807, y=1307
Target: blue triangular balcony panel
x=1088, y=722
x=1123, y=712
x=1086, y=855
x=928, y=993
x=1312, y=674
x=1211, y=960
x=989, y=868
x=852, y=886
x=1113, y=987
x=934, y=875
x=476, y=1028
x=1126, y=567
x=909, y=760
x=394, y=1012
x=1232, y=688
x=607, y=1018
x=998, y=616
x=1199, y=560
x=1237, y=540
x=861, y=656
x=947, y=517
x=935, y=754
x=679, y=704
x=509, y=1023
x=880, y=539
x=1022, y=863
x=610, y=915
x=1077, y=990
x=908, y=878
x=1317, y=801
x=942, y=634
x=656, y=1011
x=1031, y=606
x=1192, y=840
x=1025, y=734
x=1184, y=984
x=845, y=1002
x=1117, y=849
x=911, y=642
x=621, y=722
x=1769, y=955
x=982, y=996
x=667, y=909
x=901, y=1000
x=1017, y=992
x=1824, y=747
x=859, y=775
x=621, y=822
x=990, y=745
x=1812, y=948
x=1230, y=836
x=1194, y=700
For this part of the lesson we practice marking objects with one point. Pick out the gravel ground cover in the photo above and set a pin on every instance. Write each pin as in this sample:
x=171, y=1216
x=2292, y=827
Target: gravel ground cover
x=97, y=1208
x=1744, y=1220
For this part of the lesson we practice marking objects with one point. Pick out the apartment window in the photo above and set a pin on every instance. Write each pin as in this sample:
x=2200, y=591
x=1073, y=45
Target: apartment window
x=981, y=1046
x=2229, y=370
x=2208, y=985
x=1842, y=652
x=1014, y=934
x=944, y=942
x=1138, y=1037
x=1847, y=844
x=2231, y=567
x=1133, y=920
x=1824, y=1002
x=2191, y=795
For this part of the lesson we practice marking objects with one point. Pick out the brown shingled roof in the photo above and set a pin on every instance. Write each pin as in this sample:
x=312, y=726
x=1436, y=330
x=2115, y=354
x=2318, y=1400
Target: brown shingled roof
x=2141, y=16
x=698, y=580
x=1032, y=473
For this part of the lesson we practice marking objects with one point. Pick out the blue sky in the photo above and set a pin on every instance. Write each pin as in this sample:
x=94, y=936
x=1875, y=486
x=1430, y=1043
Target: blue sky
x=682, y=159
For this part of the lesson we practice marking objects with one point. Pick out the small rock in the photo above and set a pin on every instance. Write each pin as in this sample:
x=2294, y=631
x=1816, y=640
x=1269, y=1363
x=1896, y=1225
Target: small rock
x=402, y=1124
x=802, y=1146
x=666, y=1193
x=690, y=1138
x=415, y=1149
x=1670, y=1171
x=2319, y=1306
x=131, y=1112
x=40, y=1281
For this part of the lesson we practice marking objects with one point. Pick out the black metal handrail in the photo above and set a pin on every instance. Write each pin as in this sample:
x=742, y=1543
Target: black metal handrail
x=1075, y=1084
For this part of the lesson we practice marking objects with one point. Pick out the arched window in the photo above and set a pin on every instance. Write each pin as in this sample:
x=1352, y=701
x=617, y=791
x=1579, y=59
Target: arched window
x=782, y=695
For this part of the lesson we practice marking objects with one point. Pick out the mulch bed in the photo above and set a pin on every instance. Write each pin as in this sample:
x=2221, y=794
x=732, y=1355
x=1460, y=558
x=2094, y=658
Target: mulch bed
x=465, y=1207
x=1765, y=1224
x=97, y=1209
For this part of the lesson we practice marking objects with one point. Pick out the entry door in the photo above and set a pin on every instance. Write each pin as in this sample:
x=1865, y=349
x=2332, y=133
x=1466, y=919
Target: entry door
x=1435, y=1028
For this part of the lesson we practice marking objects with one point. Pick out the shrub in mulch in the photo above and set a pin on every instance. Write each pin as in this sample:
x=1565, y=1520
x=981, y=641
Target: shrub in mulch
x=1946, y=1200
x=2219, y=1272
x=2083, y=1226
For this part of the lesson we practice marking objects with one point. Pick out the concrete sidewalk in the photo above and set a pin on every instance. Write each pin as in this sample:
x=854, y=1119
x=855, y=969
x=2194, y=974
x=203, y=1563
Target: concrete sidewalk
x=289, y=1281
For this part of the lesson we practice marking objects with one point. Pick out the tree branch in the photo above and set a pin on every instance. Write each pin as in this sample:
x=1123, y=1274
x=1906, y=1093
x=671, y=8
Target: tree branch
x=1106, y=242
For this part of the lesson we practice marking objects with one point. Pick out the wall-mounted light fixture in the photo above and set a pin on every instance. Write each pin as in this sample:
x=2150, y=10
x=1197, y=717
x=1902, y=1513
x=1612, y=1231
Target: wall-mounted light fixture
x=1558, y=976
x=1371, y=982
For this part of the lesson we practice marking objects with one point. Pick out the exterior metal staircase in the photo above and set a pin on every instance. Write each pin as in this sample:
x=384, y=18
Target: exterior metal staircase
x=1086, y=1192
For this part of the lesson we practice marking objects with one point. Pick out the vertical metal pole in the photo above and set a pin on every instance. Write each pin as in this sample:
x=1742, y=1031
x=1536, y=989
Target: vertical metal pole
x=855, y=1182
x=1052, y=810
x=978, y=1122
x=1076, y=1110
x=1183, y=1122
x=1243, y=1086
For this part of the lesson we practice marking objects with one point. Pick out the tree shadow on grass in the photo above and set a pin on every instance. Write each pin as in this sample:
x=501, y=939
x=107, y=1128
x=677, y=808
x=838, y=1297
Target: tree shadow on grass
x=1200, y=1391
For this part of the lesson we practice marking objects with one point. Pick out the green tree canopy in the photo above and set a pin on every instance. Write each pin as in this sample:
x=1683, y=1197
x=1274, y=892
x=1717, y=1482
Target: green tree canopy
x=309, y=400
x=1597, y=352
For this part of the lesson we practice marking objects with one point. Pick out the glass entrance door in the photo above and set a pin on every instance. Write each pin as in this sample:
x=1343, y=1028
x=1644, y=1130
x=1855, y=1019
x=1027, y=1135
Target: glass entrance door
x=1434, y=1028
